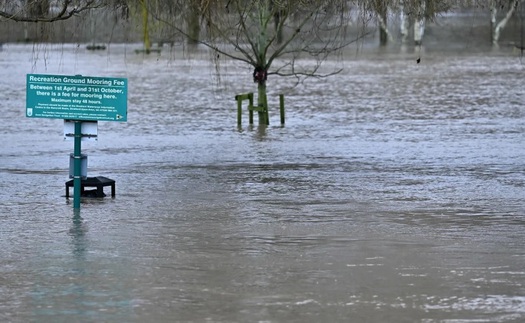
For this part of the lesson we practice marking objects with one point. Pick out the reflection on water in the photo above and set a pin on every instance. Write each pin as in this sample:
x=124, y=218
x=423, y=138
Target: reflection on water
x=394, y=193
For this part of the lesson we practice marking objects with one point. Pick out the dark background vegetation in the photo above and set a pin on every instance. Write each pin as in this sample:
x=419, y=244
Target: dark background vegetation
x=459, y=30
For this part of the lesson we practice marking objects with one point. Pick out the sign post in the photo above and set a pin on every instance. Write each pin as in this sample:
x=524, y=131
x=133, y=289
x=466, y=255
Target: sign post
x=77, y=98
x=77, y=155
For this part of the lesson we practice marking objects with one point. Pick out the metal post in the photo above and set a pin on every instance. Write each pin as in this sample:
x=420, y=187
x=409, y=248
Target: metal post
x=77, y=176
x=281, y=106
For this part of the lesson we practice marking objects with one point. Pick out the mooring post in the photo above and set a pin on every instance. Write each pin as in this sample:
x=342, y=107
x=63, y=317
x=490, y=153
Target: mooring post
x=77, y=156
x=261, y=109
x=266, y=113
x=250, y=107
x=281, y=107
x=239, y=109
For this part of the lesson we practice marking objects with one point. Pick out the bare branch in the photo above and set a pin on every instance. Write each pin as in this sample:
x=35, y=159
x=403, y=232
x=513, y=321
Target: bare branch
x=66, y=10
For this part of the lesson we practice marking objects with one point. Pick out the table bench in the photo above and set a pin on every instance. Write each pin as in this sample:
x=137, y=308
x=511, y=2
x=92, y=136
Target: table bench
x=98, y=182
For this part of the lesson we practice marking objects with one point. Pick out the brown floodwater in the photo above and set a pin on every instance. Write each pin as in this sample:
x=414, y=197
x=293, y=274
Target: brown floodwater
x=395, y=192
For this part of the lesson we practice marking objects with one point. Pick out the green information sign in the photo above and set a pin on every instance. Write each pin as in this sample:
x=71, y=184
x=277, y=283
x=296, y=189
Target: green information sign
x=76, y=97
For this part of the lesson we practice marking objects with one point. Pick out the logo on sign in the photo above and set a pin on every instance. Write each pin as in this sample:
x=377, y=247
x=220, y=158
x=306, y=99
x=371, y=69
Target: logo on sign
x=29, y=112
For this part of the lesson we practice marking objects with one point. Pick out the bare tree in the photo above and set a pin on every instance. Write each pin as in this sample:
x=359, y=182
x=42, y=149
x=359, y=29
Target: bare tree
x=272, y=35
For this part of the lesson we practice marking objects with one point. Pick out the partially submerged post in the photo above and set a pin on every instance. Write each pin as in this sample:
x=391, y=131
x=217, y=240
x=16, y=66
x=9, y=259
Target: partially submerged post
x=281, y=107
x=240, y=98
x=77, y=176
x=262, y=108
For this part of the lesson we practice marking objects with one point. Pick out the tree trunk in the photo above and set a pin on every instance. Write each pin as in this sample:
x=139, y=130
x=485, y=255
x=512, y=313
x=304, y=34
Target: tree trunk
x=493, y=14
x=404, y=23
x=262, y=102
x=419, y=24
x=147, y=43
x=194, y=27
x=261, y=68
x=26, y=32
x=93, y=27
x=496, y=28
x=383, y=28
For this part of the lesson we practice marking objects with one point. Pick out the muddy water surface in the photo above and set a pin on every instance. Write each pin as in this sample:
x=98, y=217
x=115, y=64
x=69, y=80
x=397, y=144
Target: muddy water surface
x=394, y=193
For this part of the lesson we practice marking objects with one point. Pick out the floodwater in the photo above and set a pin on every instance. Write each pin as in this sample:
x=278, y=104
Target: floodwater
x=394, y=193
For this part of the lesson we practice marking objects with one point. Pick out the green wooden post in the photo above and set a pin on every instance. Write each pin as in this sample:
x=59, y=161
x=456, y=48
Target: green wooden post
x=77, y=165
x=251, y=108
x=250, y=100
x=239, y=109
x=281, y=107
x=266, y=115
